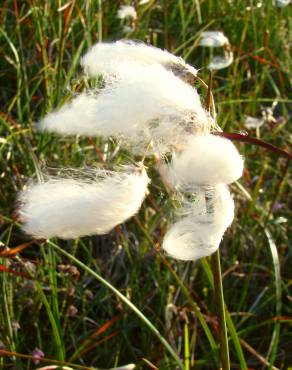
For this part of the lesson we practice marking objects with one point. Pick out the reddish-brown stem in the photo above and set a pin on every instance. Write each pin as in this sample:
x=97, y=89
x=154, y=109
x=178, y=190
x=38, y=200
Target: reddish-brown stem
x=254, y=141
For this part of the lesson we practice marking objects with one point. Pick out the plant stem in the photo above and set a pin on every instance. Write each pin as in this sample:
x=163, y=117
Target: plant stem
x=100, y=21
x=218, y=290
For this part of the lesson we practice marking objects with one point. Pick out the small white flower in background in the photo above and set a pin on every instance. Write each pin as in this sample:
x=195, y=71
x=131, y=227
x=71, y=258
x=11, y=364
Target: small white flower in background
x=254, y=6
x=37, y=354
x=127, y=11
x=282, y=3
x=217, y=39
x=221, y=62
x=267, y=114
x=69, y=207
x=15, y=326
x=128, y=15
x=213, y=39
x=253, y=122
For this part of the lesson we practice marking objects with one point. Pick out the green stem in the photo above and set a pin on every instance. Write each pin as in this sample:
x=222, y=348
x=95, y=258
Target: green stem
x=100, y=20
x=218, y=290
x=124, y=299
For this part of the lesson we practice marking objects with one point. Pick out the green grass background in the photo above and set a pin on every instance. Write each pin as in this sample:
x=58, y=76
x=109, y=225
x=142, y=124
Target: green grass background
x=51, y=303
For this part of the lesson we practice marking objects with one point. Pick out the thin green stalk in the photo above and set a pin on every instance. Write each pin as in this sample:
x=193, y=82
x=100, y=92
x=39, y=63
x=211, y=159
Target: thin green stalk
x=250, y=100
x=187, y=345
x=54, y=302
x=58, y=341
x=16, y=64
x=100, y=21
x=198, y=10
x=218, y=291
x=235, y=340
x=194, y=306
x=186, y=293
x=216, y=267
x=230, y=325
x=124, y=299
x=272, y=352
x=5, y=312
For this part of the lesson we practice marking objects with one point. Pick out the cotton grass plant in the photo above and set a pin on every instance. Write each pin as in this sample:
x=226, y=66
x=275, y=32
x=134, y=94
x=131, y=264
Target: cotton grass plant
x=41, y=46
x=148, y=105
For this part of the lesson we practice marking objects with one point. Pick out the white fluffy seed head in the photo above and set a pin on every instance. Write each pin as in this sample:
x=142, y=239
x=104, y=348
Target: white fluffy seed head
x=106, y=58
x=68, y=208
x=79, y=116
x=188, y=241
x=143, y=103
x=282, y=3
x=127, y=11
x=210, y=204
x=206, y=159
x=221, y=62
x=199, y=233
x=213, y=39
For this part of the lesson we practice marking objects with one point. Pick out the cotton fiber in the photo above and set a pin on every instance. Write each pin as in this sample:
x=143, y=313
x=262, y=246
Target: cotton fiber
x=145, y=102
x=106, y=58
x=68, y=207
x=199, y=233
x=205, y=160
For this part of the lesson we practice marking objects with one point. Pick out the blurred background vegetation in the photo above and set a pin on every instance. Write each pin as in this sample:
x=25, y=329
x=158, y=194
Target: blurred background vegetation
x=53, y=308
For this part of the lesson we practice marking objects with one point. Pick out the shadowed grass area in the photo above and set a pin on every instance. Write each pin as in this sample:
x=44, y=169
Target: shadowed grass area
x=50, y=302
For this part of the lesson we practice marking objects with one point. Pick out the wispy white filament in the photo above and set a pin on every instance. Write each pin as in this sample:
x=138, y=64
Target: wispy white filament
x=213, y=39
x=127, y=11
x=106, y=58
x=206, y=159
x=211, y=204
x=76, y=117
x=145, y=102
x=69, y=208
x=199, y=234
